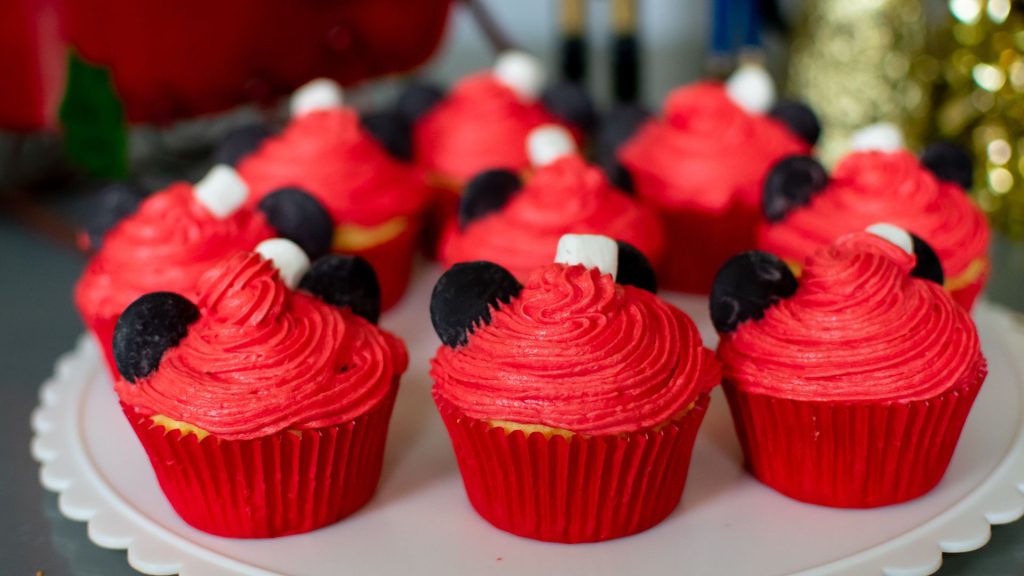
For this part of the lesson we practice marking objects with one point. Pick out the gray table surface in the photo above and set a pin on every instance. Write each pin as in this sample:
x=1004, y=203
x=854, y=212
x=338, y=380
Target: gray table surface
x=39, y=322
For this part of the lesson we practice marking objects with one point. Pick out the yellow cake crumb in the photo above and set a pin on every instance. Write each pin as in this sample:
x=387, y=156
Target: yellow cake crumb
x=353, y=238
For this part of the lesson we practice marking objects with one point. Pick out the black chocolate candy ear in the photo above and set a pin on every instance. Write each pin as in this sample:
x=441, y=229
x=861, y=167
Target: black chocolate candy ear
x=487, y=192
x=417, y=99
x=792, y=182
x=635, y=269
x=746, y=285
x=239, y=143
x=949, y=162
x=392, y=131
x=299, y=217
x=799, y=118
x=148, y=327
x=345, y=281
x=928, y=264
x=620, y=177
x=571, y=103
x=463, y=298
x=114, y=202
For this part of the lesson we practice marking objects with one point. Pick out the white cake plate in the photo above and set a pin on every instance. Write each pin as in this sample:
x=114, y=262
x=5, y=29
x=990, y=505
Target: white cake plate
x=420, y=521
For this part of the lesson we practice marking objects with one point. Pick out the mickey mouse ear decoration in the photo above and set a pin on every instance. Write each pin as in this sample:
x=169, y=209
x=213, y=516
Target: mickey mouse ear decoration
x=114, y=202
x=222, y=191
x=417, y=99
x=487, y=192
x=299, y=217
x=392, y=130
x=799, y=118
x=521, y=72
x=746, y=286
x=239, y=143
x=751, y=87
x=791, y=183
x=345, y=281
x=148, y=327
x=949, y=162
x=635, y=269
x=464, y=296
x=928, y=265
x=318, y=94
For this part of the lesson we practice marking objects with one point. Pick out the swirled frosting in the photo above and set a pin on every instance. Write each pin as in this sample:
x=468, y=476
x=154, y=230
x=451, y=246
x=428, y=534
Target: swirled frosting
x=262, y=358
x=869, y=187
x=166, y=244
x=481, y=124
x=706, y=152
x=859, y=328
x=328, y=153
x=578, y=352
x=566, y=196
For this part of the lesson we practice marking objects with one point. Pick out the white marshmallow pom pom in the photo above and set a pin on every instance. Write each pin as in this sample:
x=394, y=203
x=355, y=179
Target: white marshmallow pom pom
x=290, y=260
x=222, y=191
x=894, y=234
x=883, y=136
x=547, y=143
x=521, y=72
x=751, y=87
x=318, y=94
x=590, y=250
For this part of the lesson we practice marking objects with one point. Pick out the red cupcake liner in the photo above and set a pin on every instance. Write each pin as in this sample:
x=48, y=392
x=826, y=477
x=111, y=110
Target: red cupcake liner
x=444, y=209
x=392, y=260
x=578, y=489
x=968, y=295
x=102, y=329
x=286, y=483
x=851, y=455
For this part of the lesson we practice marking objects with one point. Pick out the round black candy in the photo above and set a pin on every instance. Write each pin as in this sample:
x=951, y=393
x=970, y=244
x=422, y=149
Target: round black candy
x=299, y=217
x=746, y=285
x=635, y=269
x=392, y=131
x=148, y=327
x=799, y=118
x=620, y=177
x=487, y=192
x=114, y=202
x=239, y=143
x=571, y=103
x=417, y=99
x=791, y=183
x=463, y=298
x=345, y=281
x=616, y=128
x=949, y=162
x=928, y=264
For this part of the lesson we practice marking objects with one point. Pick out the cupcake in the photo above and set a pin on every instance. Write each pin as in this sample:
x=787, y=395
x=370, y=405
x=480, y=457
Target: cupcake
x=377, y=201
x=263, y=403
x=572, y=401
x=850, y=385
x=167, y=241
x=806, y=208
x=517, y=225
x=702, y=165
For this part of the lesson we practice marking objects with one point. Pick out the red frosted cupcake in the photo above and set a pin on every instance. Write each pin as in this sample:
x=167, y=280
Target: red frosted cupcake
x=807, y=208
x=702, y=164
x=517, y=225
x=848, y=387
x=167, y=241
x=264, y=408
x=376, y=200
x=572, y=402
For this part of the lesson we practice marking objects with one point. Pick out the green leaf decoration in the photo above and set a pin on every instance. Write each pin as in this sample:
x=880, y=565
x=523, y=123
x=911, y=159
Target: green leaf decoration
x=92, y=118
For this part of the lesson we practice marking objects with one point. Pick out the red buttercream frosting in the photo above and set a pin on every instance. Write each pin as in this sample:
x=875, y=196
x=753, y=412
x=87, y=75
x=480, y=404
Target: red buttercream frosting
x=327, y=153
x=859, y=328
x=481, y=124
x=166, y=245
x=869, y=187
x=706, y=152
x=577, y=351
x=263, y=358
x=566, y=196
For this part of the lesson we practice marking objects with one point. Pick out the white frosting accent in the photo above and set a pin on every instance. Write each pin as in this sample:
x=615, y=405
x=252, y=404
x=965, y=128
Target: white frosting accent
x=521, y=72
x=751, y=88
x=319, y=94
x=884, y=136
x=222, y=191
x=590, y=250
x=547, y=143
x=894, y=234
x=291, y=262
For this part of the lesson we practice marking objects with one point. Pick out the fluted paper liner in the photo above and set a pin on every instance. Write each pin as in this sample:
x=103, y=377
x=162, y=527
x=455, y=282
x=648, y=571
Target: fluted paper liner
x=576, y=489
x=851, y=455
x=285, y=483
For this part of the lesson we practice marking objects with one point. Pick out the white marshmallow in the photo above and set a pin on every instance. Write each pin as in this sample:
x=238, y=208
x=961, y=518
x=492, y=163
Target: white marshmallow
x=751, y=88
x=290, y=260
x=590, y=250
x=547, y=143
x=222, y=191
x=884, y=136
x=894, y=234
x=319, y=94
x=521, y=72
